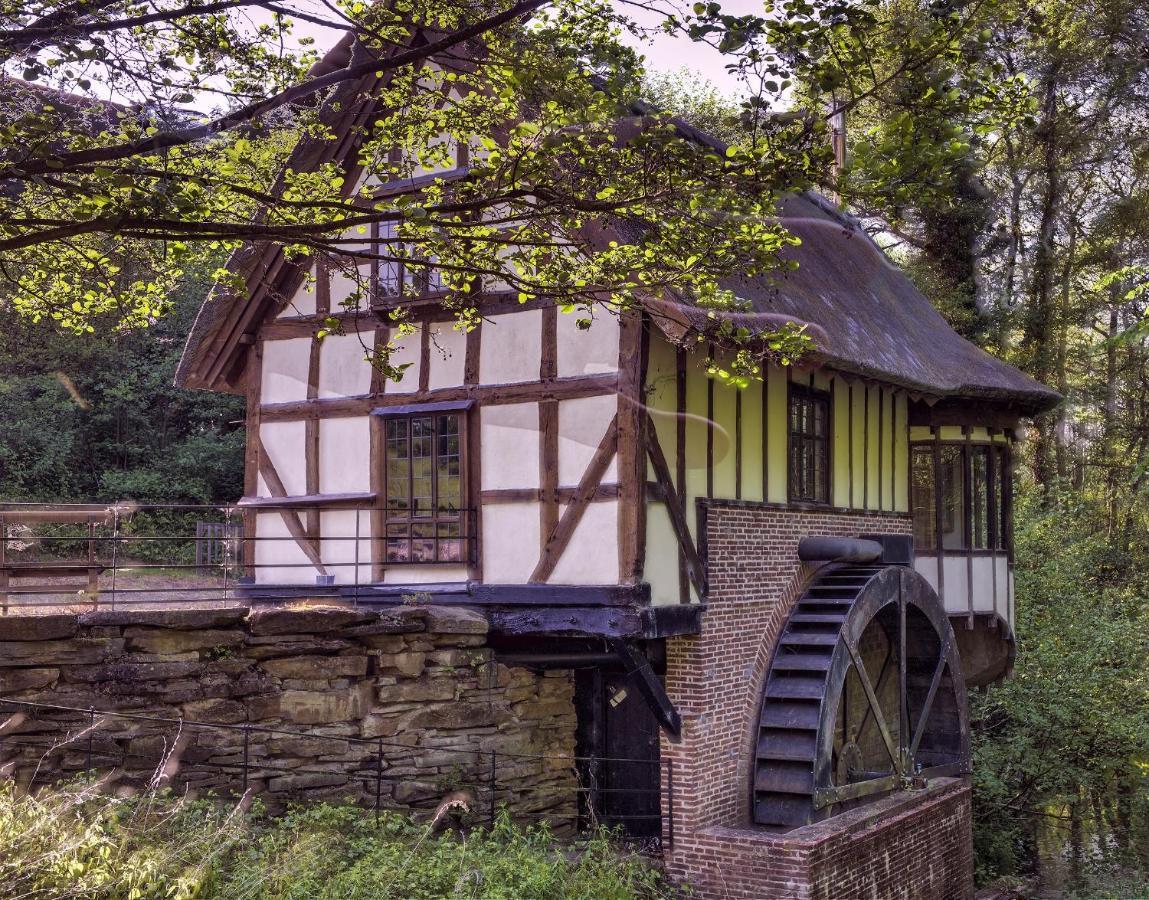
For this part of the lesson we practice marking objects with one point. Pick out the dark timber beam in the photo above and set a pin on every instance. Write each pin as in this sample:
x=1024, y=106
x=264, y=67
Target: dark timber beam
x=639, y=670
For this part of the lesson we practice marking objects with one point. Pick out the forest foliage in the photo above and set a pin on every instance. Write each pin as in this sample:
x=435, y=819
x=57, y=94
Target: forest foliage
x=98, y=418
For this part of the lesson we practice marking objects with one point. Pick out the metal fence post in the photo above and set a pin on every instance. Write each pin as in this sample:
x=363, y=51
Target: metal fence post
x=246, y=753
x=492, y=812
x=378, y=780
x=91, y=736
x=357, y=513
x=115, y=550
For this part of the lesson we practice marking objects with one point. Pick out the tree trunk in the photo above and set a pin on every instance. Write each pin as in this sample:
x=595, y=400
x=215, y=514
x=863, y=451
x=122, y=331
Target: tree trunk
x=1037, y=338
x=1062, y=329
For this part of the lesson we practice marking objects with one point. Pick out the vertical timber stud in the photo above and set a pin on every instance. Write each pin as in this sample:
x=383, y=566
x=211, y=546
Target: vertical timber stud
x=881, y=438
x=766, y=433
x=850, y=429
x=548, y=430
x=680, y=460
x=311, y=437
x=425, y=355
x=865, y=445
x=893, y=451
x=710, y=428
x=967, y=503
x=254, y=386
x=376, y=540
x=937, y=454
x=738, y=444
x=322, y=287
x=631, y=445
x=381, y=338
x=377, y=530
x=474, y=426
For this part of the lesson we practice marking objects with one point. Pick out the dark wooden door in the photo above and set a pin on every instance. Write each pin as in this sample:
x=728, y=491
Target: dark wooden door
x=619, y=736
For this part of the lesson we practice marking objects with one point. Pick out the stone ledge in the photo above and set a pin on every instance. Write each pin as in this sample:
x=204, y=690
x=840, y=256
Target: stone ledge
x=853, y=822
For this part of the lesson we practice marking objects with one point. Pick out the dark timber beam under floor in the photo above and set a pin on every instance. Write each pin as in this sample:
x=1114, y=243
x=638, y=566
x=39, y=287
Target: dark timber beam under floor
x=611, y=611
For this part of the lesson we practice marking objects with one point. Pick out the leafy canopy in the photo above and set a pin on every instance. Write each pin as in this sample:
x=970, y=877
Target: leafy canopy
x=216, y=127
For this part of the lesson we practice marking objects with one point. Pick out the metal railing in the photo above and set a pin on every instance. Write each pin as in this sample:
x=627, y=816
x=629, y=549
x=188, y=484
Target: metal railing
x=45, y=743
x=91, y=556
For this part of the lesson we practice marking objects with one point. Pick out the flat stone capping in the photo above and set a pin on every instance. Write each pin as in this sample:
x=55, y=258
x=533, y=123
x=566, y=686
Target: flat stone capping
x=845, y=825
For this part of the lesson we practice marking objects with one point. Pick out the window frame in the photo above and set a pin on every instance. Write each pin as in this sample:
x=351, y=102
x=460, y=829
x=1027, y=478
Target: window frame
x=465, y=516
x=810, y=394
x=998, y=504
x=412, y=285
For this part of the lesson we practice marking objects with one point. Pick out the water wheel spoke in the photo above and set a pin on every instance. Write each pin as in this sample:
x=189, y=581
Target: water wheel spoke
x=935, y=682
x=875, y=706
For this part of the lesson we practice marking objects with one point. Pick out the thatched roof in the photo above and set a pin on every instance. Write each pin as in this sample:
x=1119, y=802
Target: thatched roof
x=865, y=315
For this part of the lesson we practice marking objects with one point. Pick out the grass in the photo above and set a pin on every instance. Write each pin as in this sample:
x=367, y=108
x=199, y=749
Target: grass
x=76, y=843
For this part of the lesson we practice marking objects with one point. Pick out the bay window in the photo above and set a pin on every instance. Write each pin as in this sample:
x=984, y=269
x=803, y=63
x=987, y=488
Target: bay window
x=959, y=495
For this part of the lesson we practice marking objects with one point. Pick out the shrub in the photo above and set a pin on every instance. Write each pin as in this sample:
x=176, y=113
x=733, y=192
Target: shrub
x=70, y=843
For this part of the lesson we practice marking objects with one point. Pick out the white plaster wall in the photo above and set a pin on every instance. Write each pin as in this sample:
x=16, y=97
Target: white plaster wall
x=509, y=442
x=1005, y=590
x=983, y=586
x=343, y=368
x=590, y=352
x=448, y=356
x=582, y=424
x=284, y=443
x=591, y=556
x=337, y=549
x=346, y=284
x=511, y=347
x=302, y=303
x=956, y=599
x=510, y=542
x=408, y=349
x=344, y=455
x=278, y=559
x=285, y=365
x=660, y=570
x=425, y=574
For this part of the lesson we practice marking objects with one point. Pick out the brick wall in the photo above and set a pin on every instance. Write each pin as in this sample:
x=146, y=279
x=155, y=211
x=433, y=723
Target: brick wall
x=716, y=679
x=913, y=846
x=420, y=679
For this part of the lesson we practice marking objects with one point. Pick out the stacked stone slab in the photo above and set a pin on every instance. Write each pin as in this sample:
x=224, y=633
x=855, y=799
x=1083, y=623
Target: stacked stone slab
x=419, y=679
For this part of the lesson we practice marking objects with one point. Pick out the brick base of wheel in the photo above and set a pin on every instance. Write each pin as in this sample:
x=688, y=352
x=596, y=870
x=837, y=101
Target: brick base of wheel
x=909, y=845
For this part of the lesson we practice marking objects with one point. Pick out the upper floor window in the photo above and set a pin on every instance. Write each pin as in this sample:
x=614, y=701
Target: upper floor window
x=809, y=445
x=960, y=496
x=425, y=519
x=403, y=275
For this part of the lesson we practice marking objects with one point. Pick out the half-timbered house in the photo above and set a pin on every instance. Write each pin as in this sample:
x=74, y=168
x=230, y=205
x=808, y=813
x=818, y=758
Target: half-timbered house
x=794, y=581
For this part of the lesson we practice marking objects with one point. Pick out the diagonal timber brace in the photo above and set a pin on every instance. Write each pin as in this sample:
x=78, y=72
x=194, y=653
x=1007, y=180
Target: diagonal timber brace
x=638, y=669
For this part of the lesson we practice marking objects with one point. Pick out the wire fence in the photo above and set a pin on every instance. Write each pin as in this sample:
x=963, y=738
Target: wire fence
x=85, y=556
x=47, y=743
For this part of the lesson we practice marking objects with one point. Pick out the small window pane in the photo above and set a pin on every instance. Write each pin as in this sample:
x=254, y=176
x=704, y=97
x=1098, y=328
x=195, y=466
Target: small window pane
x=1004, y=486
x=979, y=497
x=388, y=273
x=953, y=507
x=924, y=511
x=809, y=446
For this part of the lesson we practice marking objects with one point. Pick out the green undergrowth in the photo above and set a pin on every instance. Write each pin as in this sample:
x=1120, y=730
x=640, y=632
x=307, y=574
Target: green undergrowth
x=75, y=844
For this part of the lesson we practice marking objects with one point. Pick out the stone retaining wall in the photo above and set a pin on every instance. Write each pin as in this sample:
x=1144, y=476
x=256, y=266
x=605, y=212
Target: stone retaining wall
x=420, y=679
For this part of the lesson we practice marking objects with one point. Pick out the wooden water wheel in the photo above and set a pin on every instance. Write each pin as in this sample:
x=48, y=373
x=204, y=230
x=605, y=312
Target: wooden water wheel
x=864, y=696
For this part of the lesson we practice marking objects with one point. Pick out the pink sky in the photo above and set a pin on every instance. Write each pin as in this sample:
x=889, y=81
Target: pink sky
x=665, y=52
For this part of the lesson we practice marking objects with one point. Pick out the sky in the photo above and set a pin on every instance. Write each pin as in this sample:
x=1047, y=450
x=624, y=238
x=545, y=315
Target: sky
x=665, y=52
